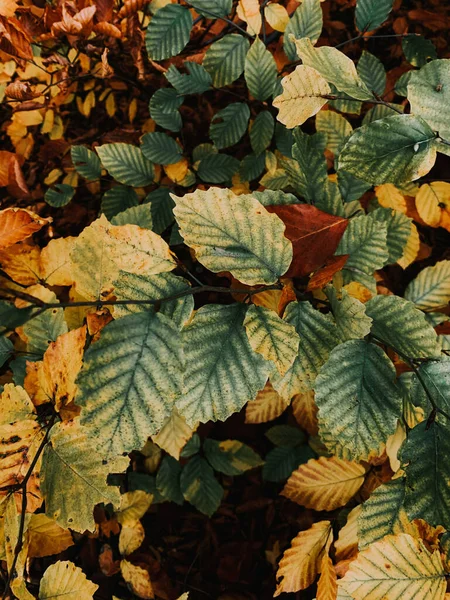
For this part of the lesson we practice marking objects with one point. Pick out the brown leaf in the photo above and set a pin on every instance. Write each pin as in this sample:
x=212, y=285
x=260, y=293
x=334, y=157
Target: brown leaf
x=326, y=273
x=17, y=224
x=104, y=28
x=315, y=235
x=20, y=90
x=14, y=39
x=17, y=185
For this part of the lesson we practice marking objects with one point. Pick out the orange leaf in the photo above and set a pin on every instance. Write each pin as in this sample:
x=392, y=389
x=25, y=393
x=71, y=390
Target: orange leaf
x=17, y=224
x=327, y=584
x=327, y=272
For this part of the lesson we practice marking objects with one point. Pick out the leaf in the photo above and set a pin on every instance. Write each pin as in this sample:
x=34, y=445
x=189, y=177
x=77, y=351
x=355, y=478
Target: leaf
x=60, y=195
x=277, y=16
x=395, y=566
x=168, y=480
x=229, y=125
x=431, y=288
x=163, y=106
x=281, y=461
x=318, y=335
x=267, y=405
x=272, y=337
x=302, y=561
x=260, y=71
x=86, y=162
x=428, y=94
x=334, y=67
x=168, y=32
x=222, y=371
x=304, y=94
x=336, y=128
x=212, y=8
x=174, y=434
x=395, y=150
x=327, y=584
x=131, y=538
x=200, y=487
x=6, y=350
x=217, y=168
x=126, y=164
x=234, y=233
x=306, y=22
x=73, y=477
x=314, y=235
x=371, y=70
x=435, y=375
x=225, y=59
x=44, y=328
x=161, y=209
x=427, y=473
x=17, y=224
x=46, y=537
x=285, y=435
x=65, y=580
x=118, y=199
x=304, y=409
x=192, y=447
x=325, y=483
x=346, y=545
x=261, y=132
x=350, y=315
x=418, y=50
x=249, y=12
x=230, y=457
x=197, y=81
x=137, y=578
x=398, y=231
x=411, y=249
x=383, y=513
x=359, y=402
x=401, y=325
x=130, y=381
x=160, y=148
x=370, y=14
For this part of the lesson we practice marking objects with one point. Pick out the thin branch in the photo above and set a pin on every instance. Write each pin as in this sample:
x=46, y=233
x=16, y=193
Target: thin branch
x=381, y=36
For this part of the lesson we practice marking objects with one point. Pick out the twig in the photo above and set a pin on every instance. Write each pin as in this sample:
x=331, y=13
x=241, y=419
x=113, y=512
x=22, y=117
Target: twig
x=370, y=37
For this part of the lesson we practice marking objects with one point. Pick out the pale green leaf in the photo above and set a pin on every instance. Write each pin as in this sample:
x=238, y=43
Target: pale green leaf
x=260, y=71
x=272, y=337
x=86, y=162
x=370, y=14
x=160, y=148
x=371, y=70
x=225, y=59
x=222, y=371
x=234, y=233
x=261, y=132
x=275, y=198
x=43, y=329
x=126, y=164
x=431, y=288
x=231, y=457
x=398, y=231
x=200, y=487
x=64, y=580
x=349, y=314
x=229, y=125
x=395, y=150
x=306, y=22
x=135, y=215
x=358, y=399
x=168, y=32
x=130, y=381
x=335, y=127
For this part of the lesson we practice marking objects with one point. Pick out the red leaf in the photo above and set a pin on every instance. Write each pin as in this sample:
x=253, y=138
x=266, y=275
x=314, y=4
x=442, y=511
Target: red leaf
x=326, y=273
x=314, y=234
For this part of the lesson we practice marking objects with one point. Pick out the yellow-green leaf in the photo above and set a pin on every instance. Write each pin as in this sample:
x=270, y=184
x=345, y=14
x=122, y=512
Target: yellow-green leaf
x=63, y=580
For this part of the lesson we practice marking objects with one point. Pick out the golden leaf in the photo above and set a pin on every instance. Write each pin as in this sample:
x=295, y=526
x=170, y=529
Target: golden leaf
x=389, y=196
x=22, y=263
x=304, y=410
x=133, y=506
x=8, y=8
x=267, y=405
x=138, y=579
x=174, y=434
x=177, y=172
x=277, y=16
x=327, y=584
x=130, y=538
x=393, y=444
x=46, y=537
x=55, y=262
x=347, y=543
x=411, y=249
x=249, y=11
x=64, y=581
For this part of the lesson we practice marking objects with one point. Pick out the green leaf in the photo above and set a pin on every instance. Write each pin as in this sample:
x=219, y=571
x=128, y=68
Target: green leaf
x=425, y=454
x=12, y=317
x=86, y=162
x=130, y=381
x=275, y=180
x=231, y=457
x=401, y=85
x=6, y=349
x=429, y=95
x=344, y=103
x=398, y=231
x=160, y=148
x=197, y=82
x=126, y=164
x=131, y=286
x=222, y=371
x=168, y=480
x=284, y=139
x=135, y=215
x=144, y=482
x=358, y=399
x=285, y=435
x=380, y=111
x=212, y=8
x=261, y=132
x=399, y=323
x=282, y=461
x=351, y=187
x=371, y=70
x=43, y=329
x=73, y=477
x=435, y=376
x=318, y=335
x=229, y=125
x=217, y=168
x=161, y=208
x=395, y=150
x=418, y=50
x=200, y=487
x=163, y=107
x=335, y=127
x=335, y=67
x=202, y=151
x=234, y=233
x=192, y=447
x=272, y=337
x=251, y=167
x=371, y=14
x=306, y=22
x=349, y=314
x=168, y=32
x=431, y=288
x=275, y=198
x=225, y=59
x=260, y=71
x=312, y=173
x=60, y=195
x=383, y=513
x=118, y=199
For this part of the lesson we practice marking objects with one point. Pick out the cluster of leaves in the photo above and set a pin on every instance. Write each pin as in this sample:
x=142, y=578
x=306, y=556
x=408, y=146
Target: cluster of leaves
x=177, y=303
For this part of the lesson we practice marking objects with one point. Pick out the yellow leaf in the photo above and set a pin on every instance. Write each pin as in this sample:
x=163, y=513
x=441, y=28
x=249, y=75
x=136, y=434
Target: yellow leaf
x=277, y=16
x=347, y=543
x=174, y=434
x=53, y=176
x=327, y=584
x=177, y=172
x=249, y=11
x=130, y=538
x=22, y=263
x=389, y=196
x=138, y=579
x=304, y=410
x=47, y=537
x=8, y=8
x=64, y=581
x=132, y=109
x=133, y=506
x=393, y=444
x=431, y=199
x=358, y=291
x=302, y=97
x=324, y=483
x=395, y=568
x=110, y=105
x=267, y=405
x=49, y=121
x=55, y=262
x=15, y=405
x=302, y=561
x=411, y=249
